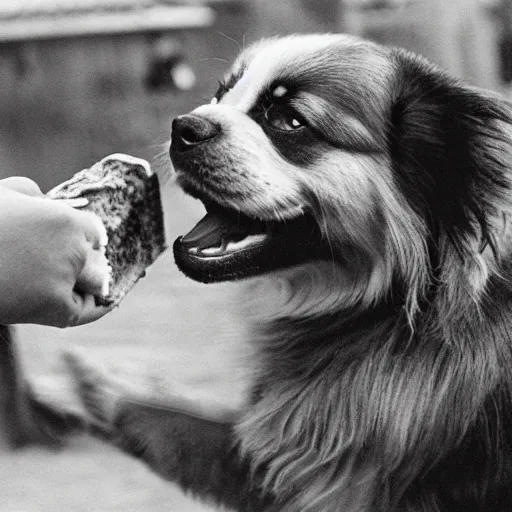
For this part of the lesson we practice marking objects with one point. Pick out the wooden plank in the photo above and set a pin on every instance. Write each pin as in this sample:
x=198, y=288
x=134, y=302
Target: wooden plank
x=138, y=20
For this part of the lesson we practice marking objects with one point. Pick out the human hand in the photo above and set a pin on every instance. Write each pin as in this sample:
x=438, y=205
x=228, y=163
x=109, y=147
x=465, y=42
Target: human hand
x=51, y=261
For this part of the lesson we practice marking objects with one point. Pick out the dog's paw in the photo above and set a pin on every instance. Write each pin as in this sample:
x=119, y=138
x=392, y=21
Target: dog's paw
x=106, y=391
x=47, y=413
x=53, y=425
x=97, y=388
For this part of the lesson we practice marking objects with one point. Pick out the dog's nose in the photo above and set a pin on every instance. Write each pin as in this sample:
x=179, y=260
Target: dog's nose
x=190, y=130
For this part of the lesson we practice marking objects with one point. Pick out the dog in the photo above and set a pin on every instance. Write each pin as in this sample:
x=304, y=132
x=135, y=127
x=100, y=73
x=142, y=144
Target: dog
x=374, y=192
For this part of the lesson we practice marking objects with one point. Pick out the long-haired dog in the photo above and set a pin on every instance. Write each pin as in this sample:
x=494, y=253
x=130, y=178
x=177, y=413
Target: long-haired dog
x=376, y=190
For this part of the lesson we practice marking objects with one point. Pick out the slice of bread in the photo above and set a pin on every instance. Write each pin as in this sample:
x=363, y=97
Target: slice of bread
x=124, y=192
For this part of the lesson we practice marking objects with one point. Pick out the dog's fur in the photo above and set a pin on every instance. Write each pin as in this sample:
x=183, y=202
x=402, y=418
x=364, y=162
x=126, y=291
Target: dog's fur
x=384, y=380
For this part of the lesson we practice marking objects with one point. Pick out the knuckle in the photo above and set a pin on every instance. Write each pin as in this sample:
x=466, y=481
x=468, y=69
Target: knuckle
x=66, y=218
x=60, y=217
x=68, y=226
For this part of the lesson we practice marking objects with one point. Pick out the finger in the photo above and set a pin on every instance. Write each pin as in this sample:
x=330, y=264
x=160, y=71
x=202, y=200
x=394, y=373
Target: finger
x=93, y=227
x=71, y=308
x=90, y=312
x=94, y=279
x=23, y=185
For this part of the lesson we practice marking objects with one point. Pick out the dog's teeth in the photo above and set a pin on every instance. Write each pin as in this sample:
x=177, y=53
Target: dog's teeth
x=246, y=242
x=228, y=247
x=212, y=251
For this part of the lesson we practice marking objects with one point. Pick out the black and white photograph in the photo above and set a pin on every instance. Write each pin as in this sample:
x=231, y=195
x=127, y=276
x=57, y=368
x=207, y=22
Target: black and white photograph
x=256, y=255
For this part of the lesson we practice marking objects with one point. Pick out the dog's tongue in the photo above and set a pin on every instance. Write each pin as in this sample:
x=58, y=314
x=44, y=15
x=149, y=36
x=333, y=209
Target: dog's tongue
x=208, y=232
x=216, y=227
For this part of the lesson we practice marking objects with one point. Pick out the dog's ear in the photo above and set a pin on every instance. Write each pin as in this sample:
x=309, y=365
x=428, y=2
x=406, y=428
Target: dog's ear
x=451, y=153
x=451, y=149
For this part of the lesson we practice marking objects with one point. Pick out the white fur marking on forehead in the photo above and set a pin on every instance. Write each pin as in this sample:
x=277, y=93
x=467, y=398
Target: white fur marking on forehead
x=268, y=58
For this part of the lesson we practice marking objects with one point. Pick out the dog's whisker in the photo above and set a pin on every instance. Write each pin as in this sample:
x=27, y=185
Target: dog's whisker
x=239, y=46
x=219, y=59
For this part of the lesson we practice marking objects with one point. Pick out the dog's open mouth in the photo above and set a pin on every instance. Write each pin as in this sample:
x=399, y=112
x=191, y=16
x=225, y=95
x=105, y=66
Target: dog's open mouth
x=226, y=245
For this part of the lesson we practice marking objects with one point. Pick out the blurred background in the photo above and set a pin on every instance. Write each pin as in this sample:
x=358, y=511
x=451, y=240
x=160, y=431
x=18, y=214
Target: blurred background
x=81, y=79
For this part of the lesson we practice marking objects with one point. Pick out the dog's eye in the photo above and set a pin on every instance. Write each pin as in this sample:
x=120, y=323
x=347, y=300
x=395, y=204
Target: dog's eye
x=282, y=119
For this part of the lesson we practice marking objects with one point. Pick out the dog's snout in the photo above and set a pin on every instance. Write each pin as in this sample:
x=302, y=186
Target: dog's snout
x=190, y=130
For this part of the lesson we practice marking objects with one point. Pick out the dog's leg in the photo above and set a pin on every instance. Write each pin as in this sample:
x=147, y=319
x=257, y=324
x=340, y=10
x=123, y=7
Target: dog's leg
x=177, y=438
x=200, y=455
x=23, y=419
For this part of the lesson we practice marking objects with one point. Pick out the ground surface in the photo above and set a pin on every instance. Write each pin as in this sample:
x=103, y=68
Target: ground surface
x=168, y=325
